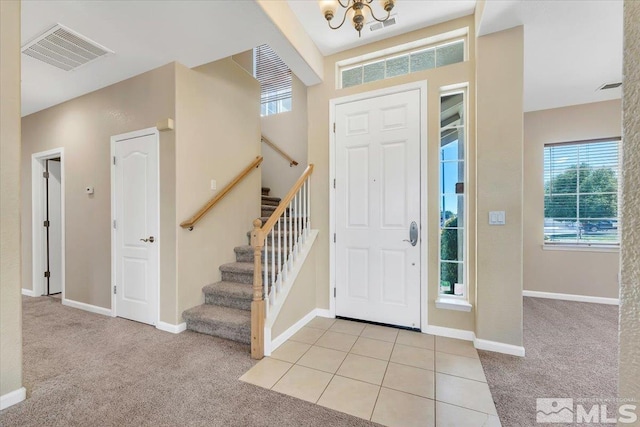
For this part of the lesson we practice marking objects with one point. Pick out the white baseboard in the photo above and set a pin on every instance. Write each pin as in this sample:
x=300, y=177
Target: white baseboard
x=498, y=347
x=87, y=307
x=441, y=331
x=174, y=329
x=28, y=292
x=13, y=397
x=324, y=312
x=271, y=345
x=570, y=297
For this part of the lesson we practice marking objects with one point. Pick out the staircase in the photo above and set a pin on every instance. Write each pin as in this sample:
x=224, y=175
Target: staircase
x=226, y=312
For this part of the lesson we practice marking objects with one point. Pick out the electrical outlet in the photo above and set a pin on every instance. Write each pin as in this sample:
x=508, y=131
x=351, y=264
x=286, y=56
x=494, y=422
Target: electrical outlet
x=214, y=185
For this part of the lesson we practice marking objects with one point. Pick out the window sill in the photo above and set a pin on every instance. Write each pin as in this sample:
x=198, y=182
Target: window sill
x=453, y=304
x=581, y=248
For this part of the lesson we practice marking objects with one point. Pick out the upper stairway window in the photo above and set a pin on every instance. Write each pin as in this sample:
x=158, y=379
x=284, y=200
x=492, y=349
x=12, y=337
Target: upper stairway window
x=275, y=81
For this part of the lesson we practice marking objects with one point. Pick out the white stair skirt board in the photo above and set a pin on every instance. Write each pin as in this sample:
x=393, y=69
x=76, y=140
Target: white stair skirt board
x=324, y=312
x=271, y=345
x=28, y=292
x=570, y=297
x=478, y=343
x=174, y=329
x=282, y=297
x=87, y=307
x=13, y=397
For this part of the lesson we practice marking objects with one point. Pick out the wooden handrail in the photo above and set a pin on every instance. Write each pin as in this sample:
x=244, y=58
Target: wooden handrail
x=285, y=202
x=279, y=151
x=211, y=203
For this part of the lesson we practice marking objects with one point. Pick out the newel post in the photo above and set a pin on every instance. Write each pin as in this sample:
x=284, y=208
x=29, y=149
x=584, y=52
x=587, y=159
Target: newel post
x=257, y=305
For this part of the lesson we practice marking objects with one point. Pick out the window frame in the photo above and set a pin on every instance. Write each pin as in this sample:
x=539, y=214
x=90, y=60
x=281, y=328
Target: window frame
x=577, y=245
x=452, y=301
x=275, y=105
x=433, y=42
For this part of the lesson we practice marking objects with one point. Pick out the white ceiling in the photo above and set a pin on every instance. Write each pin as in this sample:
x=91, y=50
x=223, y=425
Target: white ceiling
x=411, y=15
x=571, y=47
x=143, y=34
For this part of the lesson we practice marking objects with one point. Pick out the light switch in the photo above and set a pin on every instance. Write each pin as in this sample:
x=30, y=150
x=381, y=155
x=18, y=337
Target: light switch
x=497, y=218
x=213, y=184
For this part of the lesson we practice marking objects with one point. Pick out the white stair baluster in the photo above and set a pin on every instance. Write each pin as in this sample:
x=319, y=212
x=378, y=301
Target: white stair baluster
x=273, y=263
x=279, y=254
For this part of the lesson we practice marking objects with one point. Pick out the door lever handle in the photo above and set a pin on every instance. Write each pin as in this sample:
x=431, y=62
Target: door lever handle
x=413, y=234
x=151, y=239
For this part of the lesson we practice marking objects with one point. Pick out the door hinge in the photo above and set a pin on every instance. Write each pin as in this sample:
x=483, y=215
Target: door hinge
x=334, y=292
x=334, y=183
x=334, y=127
x=334, y=237
x=45, y=175
x=114, y=160
x=114, y=223
x=47, y=274
x=114, y=289
x=46, y=223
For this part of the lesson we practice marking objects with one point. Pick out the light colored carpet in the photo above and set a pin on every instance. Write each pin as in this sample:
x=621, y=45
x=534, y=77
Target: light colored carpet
x=571, y=351
x=83, y=369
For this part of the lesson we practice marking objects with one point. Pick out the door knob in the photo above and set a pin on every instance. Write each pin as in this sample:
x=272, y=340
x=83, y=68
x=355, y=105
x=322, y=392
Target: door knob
x=151, y=239
x=413, y=234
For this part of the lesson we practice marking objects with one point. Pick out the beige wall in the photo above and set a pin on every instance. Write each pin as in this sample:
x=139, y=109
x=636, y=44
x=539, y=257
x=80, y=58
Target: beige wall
x=217, y=135
x=500, y=63
x=567, y=272
x=84, y=126
x=629, y=359
x=318, y=151
x=289, y=132
x=302, y=296
x=10, y=299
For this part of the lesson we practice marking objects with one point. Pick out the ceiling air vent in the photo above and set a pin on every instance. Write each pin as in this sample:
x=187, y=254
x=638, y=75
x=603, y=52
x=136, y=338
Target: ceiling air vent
x=610, y=86
x=64, y=48
x=375, y=25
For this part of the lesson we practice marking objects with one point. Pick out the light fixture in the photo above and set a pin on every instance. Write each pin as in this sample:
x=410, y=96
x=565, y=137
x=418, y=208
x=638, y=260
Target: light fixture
x=357, y=9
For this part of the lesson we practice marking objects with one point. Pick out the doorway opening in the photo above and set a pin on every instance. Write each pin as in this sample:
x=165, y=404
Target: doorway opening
x=48, y=223
x=378, y=250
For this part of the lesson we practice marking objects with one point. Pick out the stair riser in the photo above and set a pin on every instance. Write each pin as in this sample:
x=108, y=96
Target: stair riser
x=240, y=334
x=247, y=256
x=276, y=238
x=246, y=278
x=226, y=300
x=270, y=203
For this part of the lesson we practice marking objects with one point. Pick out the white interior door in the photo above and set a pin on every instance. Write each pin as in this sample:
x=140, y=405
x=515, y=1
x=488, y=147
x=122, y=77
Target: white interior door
x=54, y=244
x=377, y=197
x=136, y=216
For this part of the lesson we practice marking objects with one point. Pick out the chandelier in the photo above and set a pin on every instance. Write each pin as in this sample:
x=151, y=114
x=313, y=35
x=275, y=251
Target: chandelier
x=357, y=10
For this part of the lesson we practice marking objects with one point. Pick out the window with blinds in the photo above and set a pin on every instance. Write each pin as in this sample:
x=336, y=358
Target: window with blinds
x=581, y=183
x=275, y=81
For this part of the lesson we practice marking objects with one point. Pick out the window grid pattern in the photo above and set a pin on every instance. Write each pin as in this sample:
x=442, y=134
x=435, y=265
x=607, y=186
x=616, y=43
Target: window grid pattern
x=581, y=184
x=406, y=63
x=452, y=197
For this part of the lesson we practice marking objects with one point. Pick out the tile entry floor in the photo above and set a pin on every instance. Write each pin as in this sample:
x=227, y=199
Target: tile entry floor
x=390, y=376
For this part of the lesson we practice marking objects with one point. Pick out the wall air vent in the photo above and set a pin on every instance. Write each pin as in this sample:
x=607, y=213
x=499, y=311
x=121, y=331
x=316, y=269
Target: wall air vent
x=64, y=48
x=610, y=86
x=375, y=25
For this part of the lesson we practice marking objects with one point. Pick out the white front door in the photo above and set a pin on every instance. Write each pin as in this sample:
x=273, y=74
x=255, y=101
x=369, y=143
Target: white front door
x=377, y=198
x=136, y=225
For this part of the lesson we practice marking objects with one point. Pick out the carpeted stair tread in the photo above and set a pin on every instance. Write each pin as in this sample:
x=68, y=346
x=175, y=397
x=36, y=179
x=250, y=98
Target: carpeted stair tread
x=265, y=191
x=245, y=253
x=229, y=294
x=238, y=267
x=223, y=322
x=271, y=199
x=240, y=272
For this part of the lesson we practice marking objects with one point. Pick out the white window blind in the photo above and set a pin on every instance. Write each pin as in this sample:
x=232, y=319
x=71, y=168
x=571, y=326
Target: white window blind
x=275, y=81
x=581, y=181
